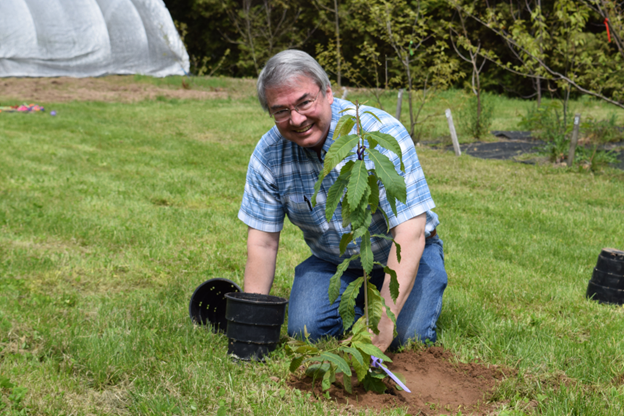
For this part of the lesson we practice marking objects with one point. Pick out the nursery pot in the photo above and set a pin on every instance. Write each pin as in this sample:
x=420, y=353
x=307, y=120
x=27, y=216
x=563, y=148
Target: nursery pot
x=253, y=324
x=607, y=282
x=207, y=306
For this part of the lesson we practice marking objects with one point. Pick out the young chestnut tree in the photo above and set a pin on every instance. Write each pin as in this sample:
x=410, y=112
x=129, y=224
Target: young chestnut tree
x=359, y=203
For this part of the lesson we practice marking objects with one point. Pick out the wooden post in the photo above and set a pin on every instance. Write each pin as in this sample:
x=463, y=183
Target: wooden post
x=344, y=93
x=574, y=141
x=449, y=118
x=399, y=103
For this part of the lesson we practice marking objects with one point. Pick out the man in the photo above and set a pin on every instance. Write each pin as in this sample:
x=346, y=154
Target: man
x=281, y=175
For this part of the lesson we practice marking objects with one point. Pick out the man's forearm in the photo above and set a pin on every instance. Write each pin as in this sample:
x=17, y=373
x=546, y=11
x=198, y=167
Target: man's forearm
x=261, y=257
x=411, y=237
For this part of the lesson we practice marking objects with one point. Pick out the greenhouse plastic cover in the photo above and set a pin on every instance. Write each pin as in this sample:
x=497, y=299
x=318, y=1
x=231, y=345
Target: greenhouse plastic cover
x=84, y=38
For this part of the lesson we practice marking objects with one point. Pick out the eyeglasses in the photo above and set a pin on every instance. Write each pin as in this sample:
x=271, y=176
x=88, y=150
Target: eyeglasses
x=302, y=108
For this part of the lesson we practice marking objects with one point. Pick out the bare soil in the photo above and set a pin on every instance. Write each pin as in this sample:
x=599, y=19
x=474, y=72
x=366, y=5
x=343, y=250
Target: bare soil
x=439, y=385
x=108, y=89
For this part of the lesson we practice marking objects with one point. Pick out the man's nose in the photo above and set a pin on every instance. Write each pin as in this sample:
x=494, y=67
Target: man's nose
x=296, y=118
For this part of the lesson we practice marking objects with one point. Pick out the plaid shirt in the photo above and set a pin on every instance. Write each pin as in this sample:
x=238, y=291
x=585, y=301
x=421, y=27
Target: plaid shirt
x=281, y=177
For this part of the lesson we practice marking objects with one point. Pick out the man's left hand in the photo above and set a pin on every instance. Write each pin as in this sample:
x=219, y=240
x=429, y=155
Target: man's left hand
x=386, y=333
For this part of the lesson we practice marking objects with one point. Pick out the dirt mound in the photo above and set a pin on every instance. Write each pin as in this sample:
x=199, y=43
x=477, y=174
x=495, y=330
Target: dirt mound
x=109, y=89
x=438, y=385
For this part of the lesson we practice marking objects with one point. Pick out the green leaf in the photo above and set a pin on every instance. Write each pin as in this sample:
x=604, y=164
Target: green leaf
x=334, y=282
x=296, y=363
x=373, y=198
x=371, y=383
x=340, y=362
x=358, y=184
x=346, y=381
x=326, y=383
x=344, y=242
x=357, y=362
x=392, y=181
x=391, y=316
x=354, y=353
x=370, y=349
x=375, y=307
x=386, y=141
x=366, y=253
x=347, y=302
x=372, y=114
x=316, y=370
x=397, y=245
x=344, y=126
x=334, y=195
x=346, y=215
x=338, y=151
x=317, y=188
x=394, y=283
x=361, y=218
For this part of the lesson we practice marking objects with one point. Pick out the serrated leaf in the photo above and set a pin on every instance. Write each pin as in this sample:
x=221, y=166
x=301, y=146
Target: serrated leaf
x=344, y=242
x=375, y=307
x=372, y=114
x=358, y=184
x=340, y=362
x=354, y=353
x=388, y=142
x=392, y=181
x=392, y=318
x=394, y=282
x=361, y=218
x=344, y=126
x=359, y=232
x=334, y=195
x=396, y=245
x=347, y=302
x=334, y=282
x=366, y=253
x=370, y=349
x=346, y=215
x=338, y=151
x=317, y=188
x=373, y=197
x=296, y=363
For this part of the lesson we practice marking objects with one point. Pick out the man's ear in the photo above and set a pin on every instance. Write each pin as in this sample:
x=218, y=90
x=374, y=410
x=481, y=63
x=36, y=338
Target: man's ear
x=329, y=95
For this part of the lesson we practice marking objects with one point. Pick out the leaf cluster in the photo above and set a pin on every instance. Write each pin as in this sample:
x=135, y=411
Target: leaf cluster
x=353, y=353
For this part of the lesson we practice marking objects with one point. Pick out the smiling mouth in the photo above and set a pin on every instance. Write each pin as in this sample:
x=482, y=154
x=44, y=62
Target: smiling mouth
x=304, y=129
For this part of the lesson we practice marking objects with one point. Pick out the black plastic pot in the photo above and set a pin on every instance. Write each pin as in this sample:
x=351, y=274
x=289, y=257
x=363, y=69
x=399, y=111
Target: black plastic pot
x=607, y=282
x=208, y=303
x=254, y=323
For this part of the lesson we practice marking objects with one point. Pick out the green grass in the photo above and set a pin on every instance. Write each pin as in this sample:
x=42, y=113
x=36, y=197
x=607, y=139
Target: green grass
x=112, y=214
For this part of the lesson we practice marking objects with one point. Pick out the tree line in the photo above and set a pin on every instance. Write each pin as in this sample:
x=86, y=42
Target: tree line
x=521, y=48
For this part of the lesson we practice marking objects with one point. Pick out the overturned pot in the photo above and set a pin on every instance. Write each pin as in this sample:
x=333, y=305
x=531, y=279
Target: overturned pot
x=253, y=324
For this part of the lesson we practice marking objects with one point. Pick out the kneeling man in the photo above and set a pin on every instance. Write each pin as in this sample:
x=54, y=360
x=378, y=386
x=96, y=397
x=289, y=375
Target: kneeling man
x=283, y=169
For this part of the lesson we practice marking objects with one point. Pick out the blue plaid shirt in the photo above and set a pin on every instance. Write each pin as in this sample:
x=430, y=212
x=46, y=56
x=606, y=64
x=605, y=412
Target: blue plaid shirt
x=281, y=177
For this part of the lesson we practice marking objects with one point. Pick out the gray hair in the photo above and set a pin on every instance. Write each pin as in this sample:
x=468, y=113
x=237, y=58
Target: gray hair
x=285, y=66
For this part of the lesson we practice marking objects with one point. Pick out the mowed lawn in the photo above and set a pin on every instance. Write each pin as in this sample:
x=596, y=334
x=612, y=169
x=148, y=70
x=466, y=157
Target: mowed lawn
x=112, y=214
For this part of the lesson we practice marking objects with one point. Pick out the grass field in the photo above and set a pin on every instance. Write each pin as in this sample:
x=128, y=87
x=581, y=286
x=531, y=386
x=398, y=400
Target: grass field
x=111, y=214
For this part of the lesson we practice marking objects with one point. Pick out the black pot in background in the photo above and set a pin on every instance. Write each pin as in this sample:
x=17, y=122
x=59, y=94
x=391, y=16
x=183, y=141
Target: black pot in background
x=208, y=303
x=254, y=323
x=607, y=282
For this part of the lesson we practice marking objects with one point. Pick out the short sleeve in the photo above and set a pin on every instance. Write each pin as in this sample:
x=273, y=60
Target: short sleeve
x=261, y=208
x=419, y=198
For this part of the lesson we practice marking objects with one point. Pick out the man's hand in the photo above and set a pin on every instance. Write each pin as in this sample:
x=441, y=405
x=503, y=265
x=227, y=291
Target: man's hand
x=386, y=332
x=261, y=255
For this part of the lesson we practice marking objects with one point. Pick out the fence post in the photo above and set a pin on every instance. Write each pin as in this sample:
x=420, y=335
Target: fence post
x=449, y=118
x=575, y=132
x=344, y=93
x=399, y=103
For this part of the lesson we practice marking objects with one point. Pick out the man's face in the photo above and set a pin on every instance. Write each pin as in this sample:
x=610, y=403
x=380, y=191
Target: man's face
x=309, y=129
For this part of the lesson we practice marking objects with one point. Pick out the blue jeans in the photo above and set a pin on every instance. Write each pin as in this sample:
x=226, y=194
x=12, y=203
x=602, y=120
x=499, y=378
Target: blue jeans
x=309, y=305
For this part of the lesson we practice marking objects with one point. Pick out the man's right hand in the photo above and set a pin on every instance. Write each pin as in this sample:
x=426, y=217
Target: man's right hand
x=261, y=257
